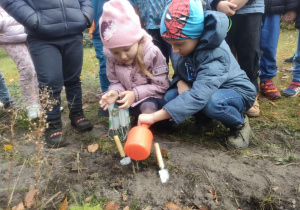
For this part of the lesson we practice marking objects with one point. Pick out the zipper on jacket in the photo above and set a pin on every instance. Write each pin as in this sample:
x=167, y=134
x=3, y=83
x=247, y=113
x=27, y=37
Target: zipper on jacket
x=64, y=14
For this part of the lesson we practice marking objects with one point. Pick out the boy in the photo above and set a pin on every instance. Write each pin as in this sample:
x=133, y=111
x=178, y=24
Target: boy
x=207, y=77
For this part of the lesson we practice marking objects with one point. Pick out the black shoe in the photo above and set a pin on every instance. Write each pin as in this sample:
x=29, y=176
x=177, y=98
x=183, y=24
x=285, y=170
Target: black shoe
x=9, y=104
x=103, y=113
x=53, y=135
x=289, y=60
x=79, y=121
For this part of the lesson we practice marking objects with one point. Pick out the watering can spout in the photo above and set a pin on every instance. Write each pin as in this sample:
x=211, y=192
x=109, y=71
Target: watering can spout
x=139, y=142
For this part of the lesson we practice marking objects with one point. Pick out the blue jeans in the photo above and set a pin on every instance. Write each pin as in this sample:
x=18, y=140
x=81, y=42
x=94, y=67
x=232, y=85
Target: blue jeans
x=4, y=93
x=104, y=82
x=270, y=30
x=225, y=105
x=296, y=69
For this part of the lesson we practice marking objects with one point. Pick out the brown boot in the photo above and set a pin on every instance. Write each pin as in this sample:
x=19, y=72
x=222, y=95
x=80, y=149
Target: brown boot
x=254, y=110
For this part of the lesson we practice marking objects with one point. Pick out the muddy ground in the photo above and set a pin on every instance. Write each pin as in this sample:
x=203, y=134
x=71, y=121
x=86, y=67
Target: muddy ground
x=245, y=180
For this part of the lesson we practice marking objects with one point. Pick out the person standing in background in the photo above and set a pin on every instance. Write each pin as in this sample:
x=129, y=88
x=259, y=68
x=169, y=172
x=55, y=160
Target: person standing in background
x=55, y=42
x=270, y=30
x=13, y=40
x=150, y=13
x=98, y=46
x=5, y=98
x=294, y=87
x=95, y=35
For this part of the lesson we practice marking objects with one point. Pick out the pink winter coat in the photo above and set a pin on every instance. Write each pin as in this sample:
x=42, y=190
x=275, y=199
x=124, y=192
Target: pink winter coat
x=128, y=77
x=10, y=30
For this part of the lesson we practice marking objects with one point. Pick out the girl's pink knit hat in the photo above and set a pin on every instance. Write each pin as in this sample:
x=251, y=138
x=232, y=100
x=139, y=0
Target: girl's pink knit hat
x=119, y=24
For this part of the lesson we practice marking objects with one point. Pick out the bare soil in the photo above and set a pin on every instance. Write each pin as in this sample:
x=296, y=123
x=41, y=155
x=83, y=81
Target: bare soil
x=200, y=175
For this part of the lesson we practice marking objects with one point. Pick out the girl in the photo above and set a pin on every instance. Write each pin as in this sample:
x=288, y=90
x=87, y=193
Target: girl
x=13, y=40
x=136, y=68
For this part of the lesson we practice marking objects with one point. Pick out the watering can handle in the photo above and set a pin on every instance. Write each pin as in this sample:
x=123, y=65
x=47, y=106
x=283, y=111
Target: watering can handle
x=159, y=156
x=119, y=145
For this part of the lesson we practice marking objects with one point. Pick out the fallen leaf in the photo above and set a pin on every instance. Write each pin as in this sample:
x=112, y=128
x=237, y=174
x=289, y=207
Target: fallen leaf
x=29, y=198
x=239, y=208
x=124, y=197
x=7, y=147
x=200, y=207
x=93, y=148
x=164, y=153
x=64, y=204
x=87, y=199
x=275, y=188
x=121, y=181
x=298, y=113
x=110, y=205
x=275, y=113
x=20, y=206
x=262, y=113
x=172, y=206
x=126, y=208
x=213, y=192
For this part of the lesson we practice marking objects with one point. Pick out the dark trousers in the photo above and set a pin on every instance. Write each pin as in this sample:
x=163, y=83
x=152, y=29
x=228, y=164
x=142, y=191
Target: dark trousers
x=158, y=41
x=58, y=63
x=244, y=36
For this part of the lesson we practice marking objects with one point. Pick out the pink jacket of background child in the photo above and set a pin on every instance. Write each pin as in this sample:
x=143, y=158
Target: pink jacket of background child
x=10, y=30
x=128, y=77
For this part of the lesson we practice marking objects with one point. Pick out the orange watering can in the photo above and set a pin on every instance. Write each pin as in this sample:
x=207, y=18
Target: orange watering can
x=138, y=143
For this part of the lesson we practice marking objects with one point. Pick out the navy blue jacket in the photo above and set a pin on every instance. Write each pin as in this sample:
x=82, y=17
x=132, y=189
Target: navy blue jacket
x=211, y=66
x=48, y=19
x=280, y=6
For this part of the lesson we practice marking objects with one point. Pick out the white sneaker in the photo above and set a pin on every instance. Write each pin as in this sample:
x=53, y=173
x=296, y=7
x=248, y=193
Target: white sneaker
x=33, y=111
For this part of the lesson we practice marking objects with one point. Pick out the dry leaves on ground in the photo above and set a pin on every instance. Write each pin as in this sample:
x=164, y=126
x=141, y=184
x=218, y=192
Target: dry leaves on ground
x=110, y=205
x=64, y=205
x=20, y=206
x=29, y=198
x=172, y=206
x=93, y=148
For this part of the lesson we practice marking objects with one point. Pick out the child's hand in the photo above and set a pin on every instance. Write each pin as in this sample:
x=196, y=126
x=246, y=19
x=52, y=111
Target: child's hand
x=239, y=3
x=182, y=86
x=146, y=119
x=289, y=17
x=226, y=7
x=128, y=98
x=153, y=117
x=108, y=98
